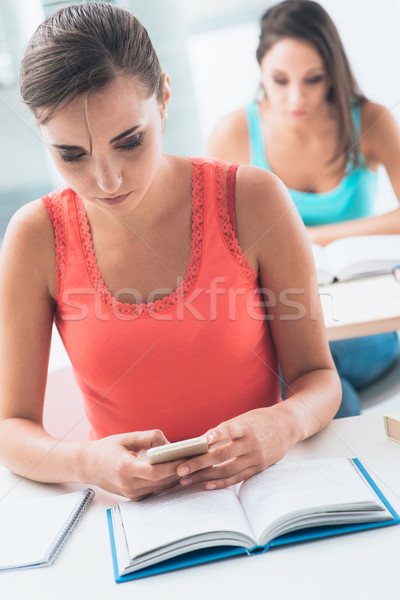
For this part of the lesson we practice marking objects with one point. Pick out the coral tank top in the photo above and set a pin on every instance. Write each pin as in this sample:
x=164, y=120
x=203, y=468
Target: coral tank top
x=182, y=364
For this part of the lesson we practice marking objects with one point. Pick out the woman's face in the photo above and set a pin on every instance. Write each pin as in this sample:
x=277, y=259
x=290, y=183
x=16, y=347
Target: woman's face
x=109, y=151
x=295, y=80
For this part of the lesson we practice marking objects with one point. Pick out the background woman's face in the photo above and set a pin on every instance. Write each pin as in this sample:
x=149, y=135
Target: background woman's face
x=294, y=78
x=108, y=151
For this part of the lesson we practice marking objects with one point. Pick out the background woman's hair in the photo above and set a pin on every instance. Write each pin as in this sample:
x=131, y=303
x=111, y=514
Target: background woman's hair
x=82, y=48
x=308, y=21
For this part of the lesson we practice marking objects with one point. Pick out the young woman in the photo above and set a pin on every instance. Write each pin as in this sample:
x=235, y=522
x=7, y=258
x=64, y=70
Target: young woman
x=324, y=139
x=136, y=260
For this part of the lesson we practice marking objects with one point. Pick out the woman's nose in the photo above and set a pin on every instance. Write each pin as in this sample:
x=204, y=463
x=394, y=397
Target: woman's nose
x=296, y=94
x=108, y=177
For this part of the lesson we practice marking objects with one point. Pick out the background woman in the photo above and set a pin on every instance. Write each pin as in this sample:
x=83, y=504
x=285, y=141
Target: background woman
x=137, y=261
x=316, y=131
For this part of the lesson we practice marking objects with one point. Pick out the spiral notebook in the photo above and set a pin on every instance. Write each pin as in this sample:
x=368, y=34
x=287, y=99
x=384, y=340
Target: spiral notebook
x=33, y=532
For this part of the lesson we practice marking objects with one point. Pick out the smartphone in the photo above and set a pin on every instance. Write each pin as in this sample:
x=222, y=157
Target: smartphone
x=177, y=450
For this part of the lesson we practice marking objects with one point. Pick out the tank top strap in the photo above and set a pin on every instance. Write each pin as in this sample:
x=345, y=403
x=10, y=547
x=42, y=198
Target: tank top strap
x=63, y=213
x=357, y=119
x=231, y=194
x=220, y=222
x=357, y=130
x=256, y=139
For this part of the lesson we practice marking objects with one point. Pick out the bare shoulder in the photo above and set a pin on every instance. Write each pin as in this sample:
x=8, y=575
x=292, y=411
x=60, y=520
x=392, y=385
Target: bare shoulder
x=229, y=140
x=28, y=245
x=261, y=193
x=380, y=132
x=371, y=113
x=267, y=219
x=30, y=226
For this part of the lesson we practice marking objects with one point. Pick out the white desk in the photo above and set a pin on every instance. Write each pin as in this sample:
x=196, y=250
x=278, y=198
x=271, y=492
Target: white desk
x=361, y=565
x=361, y=307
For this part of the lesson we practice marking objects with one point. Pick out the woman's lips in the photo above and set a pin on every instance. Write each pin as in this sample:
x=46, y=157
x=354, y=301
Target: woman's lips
x=298, y=113
x=115, y=200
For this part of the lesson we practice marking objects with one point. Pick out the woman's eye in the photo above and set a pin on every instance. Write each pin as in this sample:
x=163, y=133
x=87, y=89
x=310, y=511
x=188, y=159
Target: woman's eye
x=131, y=143
x=72, y=157
x=280, y=81
x=314, y=80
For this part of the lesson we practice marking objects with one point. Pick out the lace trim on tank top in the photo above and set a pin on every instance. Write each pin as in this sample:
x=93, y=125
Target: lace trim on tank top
x=56, y=213
x=225, y=179
x=188, y=281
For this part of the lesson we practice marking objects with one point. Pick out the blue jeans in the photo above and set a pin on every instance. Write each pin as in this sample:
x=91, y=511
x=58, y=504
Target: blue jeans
x=360, y=362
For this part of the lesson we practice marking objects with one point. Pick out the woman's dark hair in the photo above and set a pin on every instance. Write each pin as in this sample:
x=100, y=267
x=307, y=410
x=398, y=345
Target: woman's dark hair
x=307, y=21
x=81, y=49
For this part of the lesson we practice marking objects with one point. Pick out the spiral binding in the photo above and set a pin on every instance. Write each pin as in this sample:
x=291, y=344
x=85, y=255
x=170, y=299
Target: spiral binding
x=69, y=525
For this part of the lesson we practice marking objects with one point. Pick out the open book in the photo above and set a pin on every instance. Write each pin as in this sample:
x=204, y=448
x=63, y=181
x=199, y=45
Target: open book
x=356, y=256
x=287, y=502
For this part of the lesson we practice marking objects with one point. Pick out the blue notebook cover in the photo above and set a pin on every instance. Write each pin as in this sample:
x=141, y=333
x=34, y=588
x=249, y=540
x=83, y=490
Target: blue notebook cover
x=198, y=557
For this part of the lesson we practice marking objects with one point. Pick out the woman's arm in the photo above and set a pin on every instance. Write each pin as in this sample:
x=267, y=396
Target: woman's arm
x=380, y=145
x=27, y=287
x=274, y=239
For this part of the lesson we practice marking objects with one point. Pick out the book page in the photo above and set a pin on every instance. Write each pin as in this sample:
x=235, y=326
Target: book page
x=324, y=269
x=296, y=487
x=28, y=528
x=180, y=513
x=363, y=255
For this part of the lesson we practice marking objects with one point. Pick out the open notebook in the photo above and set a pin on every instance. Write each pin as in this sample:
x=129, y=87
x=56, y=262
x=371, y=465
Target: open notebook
x=33, y=532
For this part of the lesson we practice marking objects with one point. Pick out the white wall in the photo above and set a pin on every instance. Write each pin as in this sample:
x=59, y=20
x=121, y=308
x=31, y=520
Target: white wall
x=23, y=160
x=370, y=33
x=168, y=27
x=226, y=74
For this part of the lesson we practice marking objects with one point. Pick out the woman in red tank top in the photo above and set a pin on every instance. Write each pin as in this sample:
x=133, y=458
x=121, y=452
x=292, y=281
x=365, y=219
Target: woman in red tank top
x=178, y=286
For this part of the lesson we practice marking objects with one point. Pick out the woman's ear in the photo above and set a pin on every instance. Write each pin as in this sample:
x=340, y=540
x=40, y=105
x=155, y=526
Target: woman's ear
x=260, y=93
x=166, y=94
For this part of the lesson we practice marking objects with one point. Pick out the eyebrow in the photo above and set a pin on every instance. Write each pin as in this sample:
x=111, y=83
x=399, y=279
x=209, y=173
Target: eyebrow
x=124, y=134
x=115, y=139
x=320, y=68
x=311, y=70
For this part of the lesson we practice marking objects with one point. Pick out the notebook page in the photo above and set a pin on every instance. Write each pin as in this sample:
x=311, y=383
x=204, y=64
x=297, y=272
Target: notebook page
x=29, y=528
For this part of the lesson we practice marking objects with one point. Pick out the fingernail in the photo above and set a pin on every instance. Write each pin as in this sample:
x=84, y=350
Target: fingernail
x=183, y=471
x=186, y=481
x=210, y=438
x=211, y=486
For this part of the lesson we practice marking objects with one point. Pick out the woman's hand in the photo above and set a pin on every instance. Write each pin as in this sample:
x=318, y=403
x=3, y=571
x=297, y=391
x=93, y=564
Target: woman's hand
x=118, y=465
x=323, y=234
x=240, y=448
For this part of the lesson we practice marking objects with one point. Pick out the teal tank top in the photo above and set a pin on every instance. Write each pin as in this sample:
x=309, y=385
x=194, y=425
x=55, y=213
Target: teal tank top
x=352, y=198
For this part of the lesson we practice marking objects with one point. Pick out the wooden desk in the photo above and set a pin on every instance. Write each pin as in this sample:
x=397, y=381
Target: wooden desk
x=361, y=307
x=361, y=565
